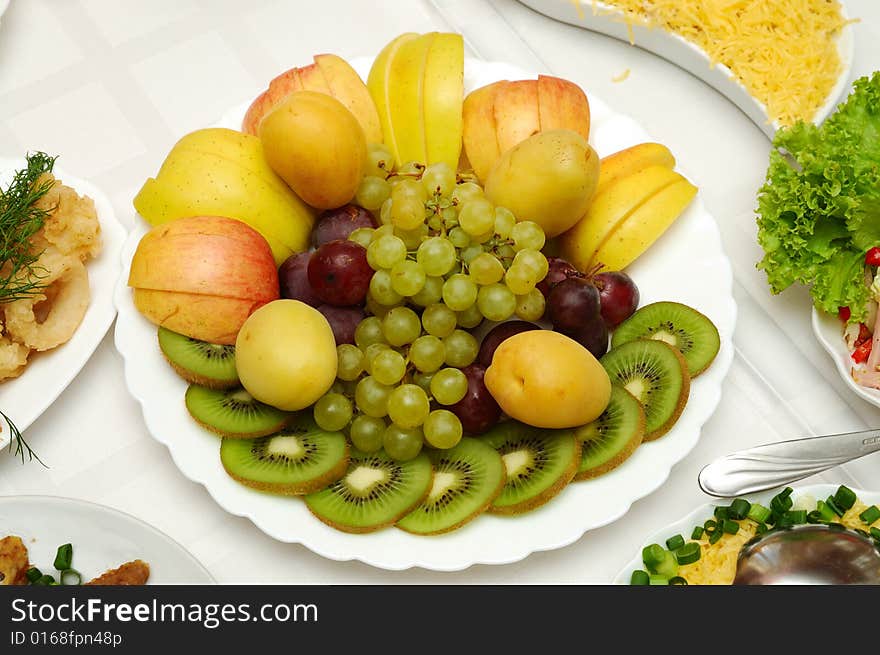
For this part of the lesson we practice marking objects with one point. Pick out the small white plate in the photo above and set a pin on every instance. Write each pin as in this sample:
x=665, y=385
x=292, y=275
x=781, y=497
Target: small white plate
x=687, y=264
x=681, y=52
x=102, y=538
x=829, y=333
x=24, y=398
x=685, y=525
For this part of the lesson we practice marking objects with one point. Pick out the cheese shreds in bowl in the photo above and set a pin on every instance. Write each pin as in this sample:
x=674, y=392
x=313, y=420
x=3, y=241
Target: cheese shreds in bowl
x=783, y=52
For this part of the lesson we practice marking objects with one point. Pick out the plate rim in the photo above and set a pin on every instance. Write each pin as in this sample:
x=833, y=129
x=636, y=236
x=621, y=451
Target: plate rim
x=719, y=370
x=838, y=352
x=118, y=513
x=111, y=249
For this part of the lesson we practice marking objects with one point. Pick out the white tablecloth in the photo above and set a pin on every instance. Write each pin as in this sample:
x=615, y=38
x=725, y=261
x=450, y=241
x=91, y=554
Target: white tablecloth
x=111, y=85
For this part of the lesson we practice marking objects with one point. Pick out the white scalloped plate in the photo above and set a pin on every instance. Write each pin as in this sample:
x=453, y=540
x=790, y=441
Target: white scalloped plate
x=23, y=399
x=829, y=333
x=683, y=53
x=687, y=264
x=685, y=525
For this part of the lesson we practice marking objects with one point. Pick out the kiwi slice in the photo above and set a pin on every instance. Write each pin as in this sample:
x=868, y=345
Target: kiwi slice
x=199, y=362
x=656, y=374
x=608, y=441
x=300, y=459
x=375, y=492
x=233, y=413
x=683, y=327
x=467, y=478
x=539, y=463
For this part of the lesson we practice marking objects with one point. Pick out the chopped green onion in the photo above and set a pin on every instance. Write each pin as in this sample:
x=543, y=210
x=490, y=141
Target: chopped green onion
x=64, y=557
x=44, y=581
x=870, y=515
x=815, y=517
x=669, y=566
x=653, y=555
x=758, y=513
x=845, y=498
x=640, y=577
x=697, y=534
x=688, y=554
x=826, y=512
x=761, y=528
x=730, y=527
x=71, y=577
x=674, y=543
x=715, y=536
x=721, y=513
x=678, y=581
x=33, y=574
x=710, y=527
x=659, y=580
x=875, y=532
x=739, y=509
x=834, y=507
x=797, y=516
x=782, y=502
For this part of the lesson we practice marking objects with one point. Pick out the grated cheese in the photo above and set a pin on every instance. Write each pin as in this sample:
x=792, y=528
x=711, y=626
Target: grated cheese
x=783, y=52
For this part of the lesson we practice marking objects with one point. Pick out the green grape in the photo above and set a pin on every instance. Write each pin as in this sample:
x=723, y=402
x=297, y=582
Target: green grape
x=439, y=179
x=382, y=289
x=376, y=308
x=477, y=216
x=408, y=204
x=518, y=279
x=368, y=331
x=527, y=234
x=448, y=386
x=413, y=238
x=530, y=307
x=436, y=255
x=407, y=278
x=402, y=444
x=388, y=367
x=470, y=317
x=486, y=269
x=431, y=293
x=350, y=361
x=385, y=252
x=461, y=348
x=385, y=212
x=496, y=302
x=505, y=253
x=442, y=429
x=533, y=261
x=439, y=320
x=370, y=353
x=372, y=397
x=504, y=222
x=449, y=215
x=401, y=326
x=483, y=238
x=427, y=353
x=410, y=168
x=362, y=235
x=470, y=253
x=408, y=406
x=381, y=231
x=366, y=433
x=464, y=192
x=332, y=412
x=338, y=386
x=423, y=380
x=459, y=292
x=459, y=238
x=380, y=161
x=372, y=192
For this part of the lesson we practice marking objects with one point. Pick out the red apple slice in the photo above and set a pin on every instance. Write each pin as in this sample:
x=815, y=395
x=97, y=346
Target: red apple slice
x=516, y=113
x=563, y=105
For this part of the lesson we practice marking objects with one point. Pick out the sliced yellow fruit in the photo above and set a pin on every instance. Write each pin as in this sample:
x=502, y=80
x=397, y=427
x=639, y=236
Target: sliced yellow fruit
x=516, y=113
x=631, y=160
x=377, y=84
x=347, y=87
x=478, y=131
x=406, y=88
x=442, y=99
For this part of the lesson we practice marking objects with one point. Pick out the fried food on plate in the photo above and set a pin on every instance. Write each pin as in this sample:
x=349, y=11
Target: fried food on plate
x=13, y=561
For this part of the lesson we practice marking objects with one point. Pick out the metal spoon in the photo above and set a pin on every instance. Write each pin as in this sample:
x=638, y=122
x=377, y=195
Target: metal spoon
x=777, y=464
x=809, y=554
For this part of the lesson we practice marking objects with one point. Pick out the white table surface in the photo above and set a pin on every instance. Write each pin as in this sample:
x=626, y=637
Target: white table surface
x=111, y=85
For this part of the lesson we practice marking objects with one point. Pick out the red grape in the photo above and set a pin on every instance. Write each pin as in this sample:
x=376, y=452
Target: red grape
x=478, y=410
x=500, y=333
x=293, y=277
x=339, y=273
x=559, y=270
x=592, y=335
x=339, y=223
x=343, y=321
x=618, y=295
x=572, y=303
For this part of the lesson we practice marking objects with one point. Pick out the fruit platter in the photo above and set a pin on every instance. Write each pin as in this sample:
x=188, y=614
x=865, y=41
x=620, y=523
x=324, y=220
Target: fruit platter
x=422, y=310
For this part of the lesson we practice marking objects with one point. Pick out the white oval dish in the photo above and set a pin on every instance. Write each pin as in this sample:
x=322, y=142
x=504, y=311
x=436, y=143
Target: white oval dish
x=681, y=52
x=685, y=525
x=23, y=399
x=829, y=333
x=687, y=264
x=103, y=538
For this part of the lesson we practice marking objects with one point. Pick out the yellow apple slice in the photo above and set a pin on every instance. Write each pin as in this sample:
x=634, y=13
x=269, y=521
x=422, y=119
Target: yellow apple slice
x=406, y=80
x=442, y=99
x=631, y=160
x=479, y=130
x=516, y=113
x=563, y=105
x=378, y=86
x=347, y=87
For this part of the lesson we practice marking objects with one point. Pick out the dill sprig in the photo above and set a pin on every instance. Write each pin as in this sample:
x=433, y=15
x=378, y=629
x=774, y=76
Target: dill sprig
x=20, y=220
x=21, y=446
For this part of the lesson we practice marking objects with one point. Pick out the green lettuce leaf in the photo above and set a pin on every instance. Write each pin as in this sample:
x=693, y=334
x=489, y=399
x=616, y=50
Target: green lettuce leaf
x=819, y=207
